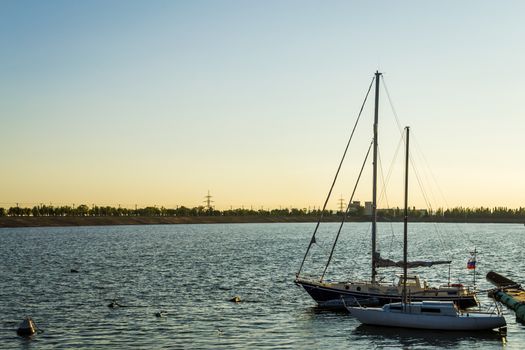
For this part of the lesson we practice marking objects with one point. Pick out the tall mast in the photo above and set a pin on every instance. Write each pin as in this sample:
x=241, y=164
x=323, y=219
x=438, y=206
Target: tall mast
x=374, y=181
x=405, y=227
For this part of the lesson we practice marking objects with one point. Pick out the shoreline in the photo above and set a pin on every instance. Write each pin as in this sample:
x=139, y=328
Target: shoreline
x=66, y=221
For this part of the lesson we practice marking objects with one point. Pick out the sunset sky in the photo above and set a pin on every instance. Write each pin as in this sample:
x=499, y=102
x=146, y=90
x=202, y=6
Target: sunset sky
x=157, y=102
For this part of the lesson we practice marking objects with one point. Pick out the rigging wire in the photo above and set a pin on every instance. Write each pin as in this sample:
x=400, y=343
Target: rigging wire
x=401, y=133
x=385, y=185
x=443, y=198
x=318, y=257
x=418, y=148
x=400, y=128
x=390, y=170
x=418, y=178
x=383, y=194
x=383, y=189
x=437, y=228
x=346, y=212
x=312, y=240
x=425, y=198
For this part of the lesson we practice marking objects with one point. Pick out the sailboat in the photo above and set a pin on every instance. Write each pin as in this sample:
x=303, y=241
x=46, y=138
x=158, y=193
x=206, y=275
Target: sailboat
x=438, y=315
x=373, y=292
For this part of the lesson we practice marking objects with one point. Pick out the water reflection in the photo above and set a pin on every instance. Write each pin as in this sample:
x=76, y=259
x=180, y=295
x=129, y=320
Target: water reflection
x=419, y=338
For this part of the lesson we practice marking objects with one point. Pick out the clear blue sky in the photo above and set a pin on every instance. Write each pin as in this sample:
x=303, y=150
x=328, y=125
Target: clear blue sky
x=156, y=102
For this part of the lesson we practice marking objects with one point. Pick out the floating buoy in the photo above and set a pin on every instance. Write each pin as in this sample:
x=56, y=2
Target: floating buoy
x=236, y=299
x=26, y=328
x=161, y=314
x=73, y=271
x=114, y=304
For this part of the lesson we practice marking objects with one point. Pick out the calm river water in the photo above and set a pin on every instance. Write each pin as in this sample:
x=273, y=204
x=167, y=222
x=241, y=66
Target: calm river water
x=191, y=271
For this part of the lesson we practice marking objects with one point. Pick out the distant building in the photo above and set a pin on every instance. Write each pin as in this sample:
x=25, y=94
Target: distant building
x=354, y=207
x=368, y=208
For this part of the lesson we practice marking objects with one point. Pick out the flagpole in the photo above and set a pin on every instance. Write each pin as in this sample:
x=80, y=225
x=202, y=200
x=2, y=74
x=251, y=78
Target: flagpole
x=475, y=263
x=471, y=264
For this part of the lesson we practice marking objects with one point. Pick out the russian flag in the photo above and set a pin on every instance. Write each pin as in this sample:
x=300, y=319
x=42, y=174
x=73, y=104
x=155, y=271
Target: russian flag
x=471, y=264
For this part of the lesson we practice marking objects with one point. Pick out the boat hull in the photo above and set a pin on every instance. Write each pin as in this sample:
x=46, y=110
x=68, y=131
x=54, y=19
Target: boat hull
x=464, y=322
x=331, y=297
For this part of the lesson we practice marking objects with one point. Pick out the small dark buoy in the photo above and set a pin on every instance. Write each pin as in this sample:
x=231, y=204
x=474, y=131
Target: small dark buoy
x=26, y=328
x=114, y=303
x=161, y=314
x=236, y=299
x=73, y=271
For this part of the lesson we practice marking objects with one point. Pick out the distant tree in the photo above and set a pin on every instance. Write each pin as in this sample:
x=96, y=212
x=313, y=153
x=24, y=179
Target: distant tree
x=14, y=211
x=182, y=211
x=82, y=210
x=35, y=211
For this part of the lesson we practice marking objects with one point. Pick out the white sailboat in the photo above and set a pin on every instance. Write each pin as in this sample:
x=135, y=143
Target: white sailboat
x=438, y=315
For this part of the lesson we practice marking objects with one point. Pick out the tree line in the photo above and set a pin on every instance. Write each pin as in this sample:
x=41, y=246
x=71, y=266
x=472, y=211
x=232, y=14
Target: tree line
x=84, y=210
x=458, y=213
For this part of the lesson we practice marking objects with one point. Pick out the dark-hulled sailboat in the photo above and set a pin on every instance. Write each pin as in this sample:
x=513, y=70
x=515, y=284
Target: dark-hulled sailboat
x=372, y=292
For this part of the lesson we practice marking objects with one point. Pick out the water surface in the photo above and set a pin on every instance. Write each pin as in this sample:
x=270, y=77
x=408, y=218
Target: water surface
x=192, y=270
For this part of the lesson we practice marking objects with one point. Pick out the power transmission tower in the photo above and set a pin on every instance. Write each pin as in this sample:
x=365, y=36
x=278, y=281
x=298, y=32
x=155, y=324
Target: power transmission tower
x=341, y=202
x=208, y=201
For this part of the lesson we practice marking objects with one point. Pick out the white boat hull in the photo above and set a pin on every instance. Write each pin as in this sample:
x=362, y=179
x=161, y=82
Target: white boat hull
x=465, y=322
